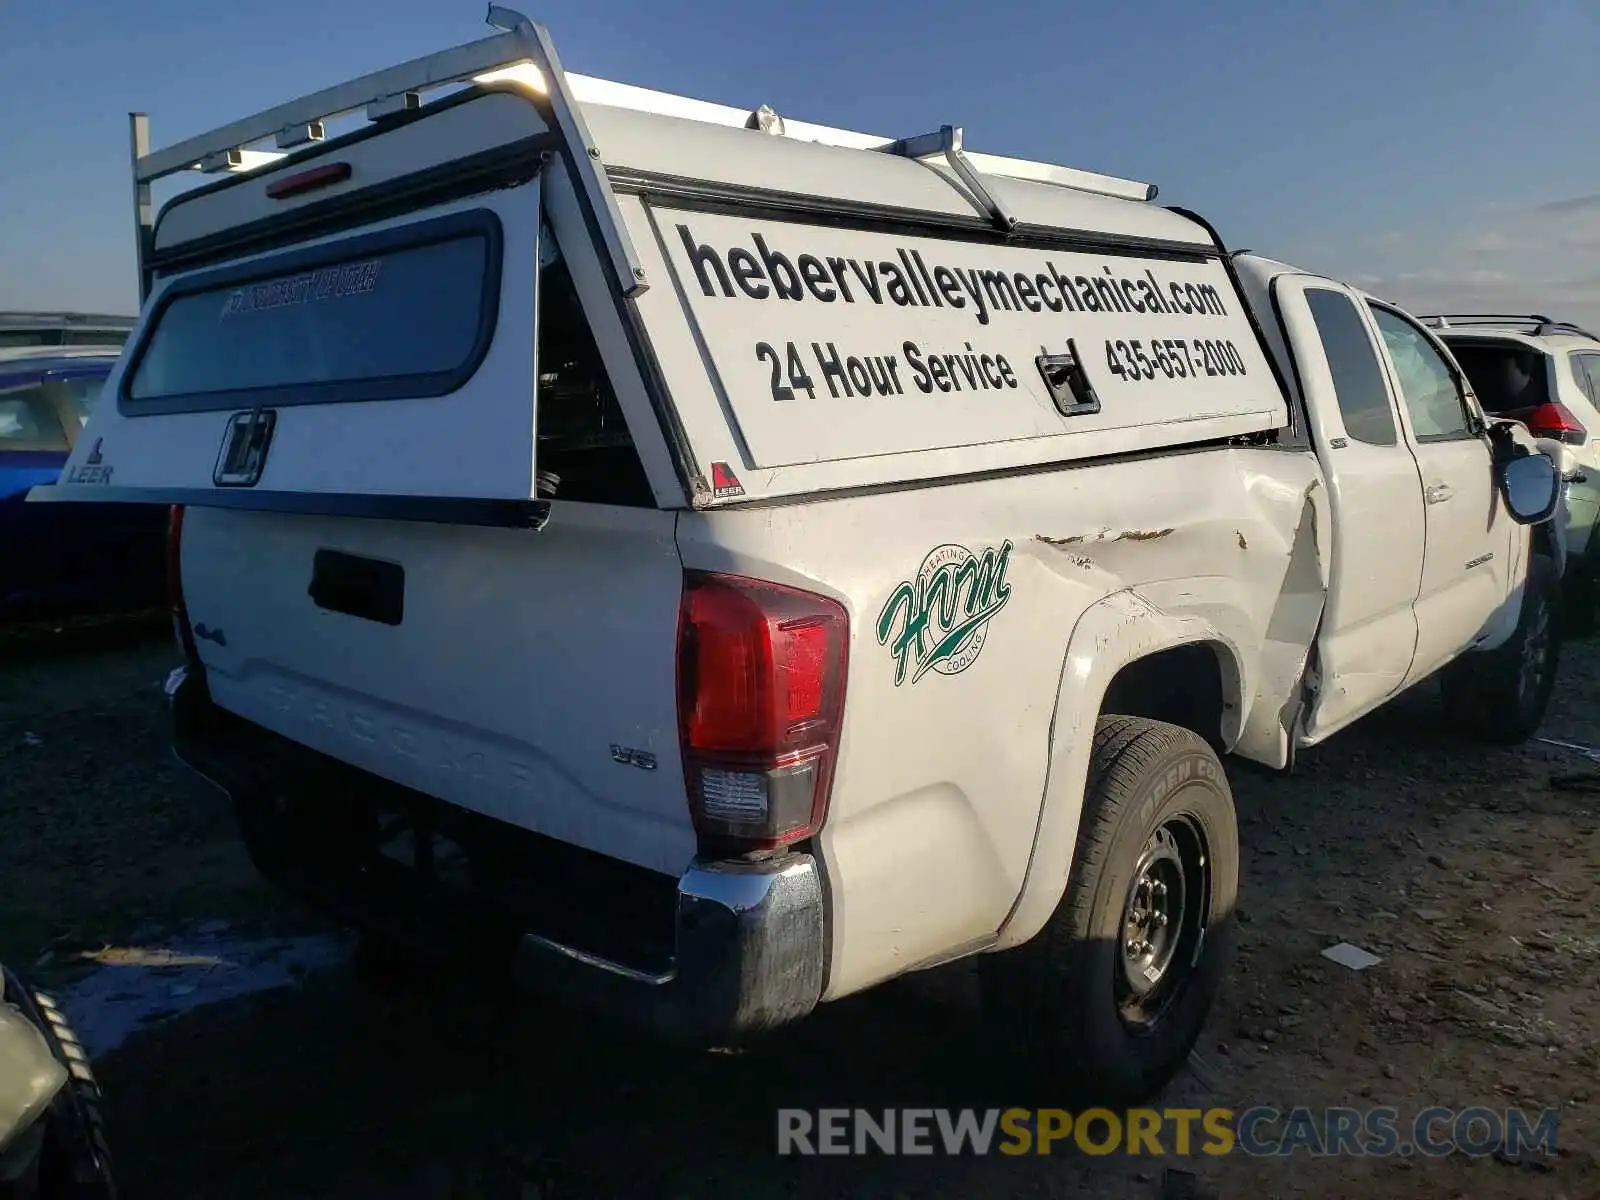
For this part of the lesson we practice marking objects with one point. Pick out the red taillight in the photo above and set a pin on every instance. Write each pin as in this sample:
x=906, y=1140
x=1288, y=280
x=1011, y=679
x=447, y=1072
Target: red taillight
x=180, y=612
x=308, y=181
x=761, y=674
x=1552, y=421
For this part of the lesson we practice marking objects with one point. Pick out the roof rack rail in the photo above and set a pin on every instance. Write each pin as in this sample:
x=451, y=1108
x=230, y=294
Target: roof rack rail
x=522, y=51
x=1563, y=327
x=1486, y=318
x=386, y=93
x=1541, y=324
x=947, y=143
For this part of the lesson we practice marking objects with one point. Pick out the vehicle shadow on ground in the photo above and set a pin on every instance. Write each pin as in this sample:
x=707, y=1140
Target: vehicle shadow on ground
x=464, y=1089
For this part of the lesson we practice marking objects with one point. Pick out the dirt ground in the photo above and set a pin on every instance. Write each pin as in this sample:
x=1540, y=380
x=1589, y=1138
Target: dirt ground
x=1474, y=880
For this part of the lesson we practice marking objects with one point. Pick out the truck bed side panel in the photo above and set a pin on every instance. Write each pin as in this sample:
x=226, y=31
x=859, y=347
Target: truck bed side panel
x=943, y=769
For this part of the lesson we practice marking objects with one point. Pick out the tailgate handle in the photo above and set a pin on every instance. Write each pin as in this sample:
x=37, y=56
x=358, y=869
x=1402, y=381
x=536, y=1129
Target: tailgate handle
x=358, y=587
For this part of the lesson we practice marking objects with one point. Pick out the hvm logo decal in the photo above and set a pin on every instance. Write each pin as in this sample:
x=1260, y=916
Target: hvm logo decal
x=938, y=621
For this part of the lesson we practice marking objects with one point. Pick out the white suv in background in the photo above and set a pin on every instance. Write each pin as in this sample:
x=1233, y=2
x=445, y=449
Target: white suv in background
x=1546, y=374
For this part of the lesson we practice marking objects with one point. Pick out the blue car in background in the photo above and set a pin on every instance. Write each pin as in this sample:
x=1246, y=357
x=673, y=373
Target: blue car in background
x=58, y=559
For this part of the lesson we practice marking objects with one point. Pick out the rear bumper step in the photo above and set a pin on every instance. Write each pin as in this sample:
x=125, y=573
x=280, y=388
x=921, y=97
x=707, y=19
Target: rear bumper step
x=727, y=950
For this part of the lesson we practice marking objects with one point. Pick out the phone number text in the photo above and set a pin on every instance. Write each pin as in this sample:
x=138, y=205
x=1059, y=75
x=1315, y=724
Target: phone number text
x=1169, y=358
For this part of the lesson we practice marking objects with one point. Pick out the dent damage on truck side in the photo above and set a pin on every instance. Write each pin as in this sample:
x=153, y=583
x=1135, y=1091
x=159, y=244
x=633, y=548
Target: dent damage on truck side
x=959, y=788
x=1262, y=637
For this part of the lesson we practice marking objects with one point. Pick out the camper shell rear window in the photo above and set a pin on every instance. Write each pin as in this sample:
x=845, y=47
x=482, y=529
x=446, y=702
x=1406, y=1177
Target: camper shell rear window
x=401, y=313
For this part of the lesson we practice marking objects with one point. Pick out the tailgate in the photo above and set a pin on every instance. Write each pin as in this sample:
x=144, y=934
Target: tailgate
x=525, y=676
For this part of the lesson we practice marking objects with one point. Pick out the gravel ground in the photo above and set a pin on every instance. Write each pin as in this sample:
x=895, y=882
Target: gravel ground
x=1472, y=878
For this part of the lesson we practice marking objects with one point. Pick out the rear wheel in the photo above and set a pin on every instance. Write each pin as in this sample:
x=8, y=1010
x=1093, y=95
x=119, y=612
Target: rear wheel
x=1500, y=696
x=1112, y=994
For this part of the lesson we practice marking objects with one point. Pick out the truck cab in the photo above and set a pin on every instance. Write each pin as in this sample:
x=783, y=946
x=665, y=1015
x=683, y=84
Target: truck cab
x=1417, y=577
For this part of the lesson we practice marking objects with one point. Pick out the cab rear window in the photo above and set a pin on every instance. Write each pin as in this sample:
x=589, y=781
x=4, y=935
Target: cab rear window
x=406, y=312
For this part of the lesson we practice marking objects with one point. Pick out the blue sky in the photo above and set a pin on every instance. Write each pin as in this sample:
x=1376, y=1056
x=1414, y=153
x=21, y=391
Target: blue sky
x=1438, y=153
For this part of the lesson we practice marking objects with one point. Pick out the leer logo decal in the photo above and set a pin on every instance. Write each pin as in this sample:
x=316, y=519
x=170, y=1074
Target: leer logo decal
x=93, y=469
x=724, y=483
x=938, y=620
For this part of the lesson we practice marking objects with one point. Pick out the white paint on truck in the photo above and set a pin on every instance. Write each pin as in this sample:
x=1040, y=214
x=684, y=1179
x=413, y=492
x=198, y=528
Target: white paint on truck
x=745, y=549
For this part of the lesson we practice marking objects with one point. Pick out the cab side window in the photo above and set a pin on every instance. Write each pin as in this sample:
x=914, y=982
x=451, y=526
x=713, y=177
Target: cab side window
x=1357, y=378
x=1427, y=384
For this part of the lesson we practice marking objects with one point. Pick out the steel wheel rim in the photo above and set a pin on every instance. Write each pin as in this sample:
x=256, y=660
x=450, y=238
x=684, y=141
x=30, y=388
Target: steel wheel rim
x=1162, y=920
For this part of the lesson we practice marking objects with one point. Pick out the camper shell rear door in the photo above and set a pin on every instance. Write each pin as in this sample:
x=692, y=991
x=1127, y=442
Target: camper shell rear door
x=384, y=367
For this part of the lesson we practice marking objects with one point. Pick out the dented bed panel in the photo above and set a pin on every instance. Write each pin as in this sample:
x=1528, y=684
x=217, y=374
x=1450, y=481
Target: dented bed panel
x=958, y=752
x=1258, y=614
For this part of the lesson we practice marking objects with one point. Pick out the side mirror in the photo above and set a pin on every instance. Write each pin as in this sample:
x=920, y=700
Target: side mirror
x=1531, y=488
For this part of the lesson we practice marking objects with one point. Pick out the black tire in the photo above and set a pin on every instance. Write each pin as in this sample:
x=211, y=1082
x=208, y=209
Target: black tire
x=1067, y=995
x=1500, y=696
x=75, y=1158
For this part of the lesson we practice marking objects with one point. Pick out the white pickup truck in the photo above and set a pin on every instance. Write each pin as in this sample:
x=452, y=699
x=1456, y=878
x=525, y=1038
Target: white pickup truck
x=717, y=564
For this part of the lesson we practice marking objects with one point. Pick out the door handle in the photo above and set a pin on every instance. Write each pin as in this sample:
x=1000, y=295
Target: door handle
x=1439, y=493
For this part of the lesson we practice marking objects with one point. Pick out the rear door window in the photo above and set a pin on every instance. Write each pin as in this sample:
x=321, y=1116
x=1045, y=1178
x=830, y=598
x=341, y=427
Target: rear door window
x=28, y=421
x=406, y=312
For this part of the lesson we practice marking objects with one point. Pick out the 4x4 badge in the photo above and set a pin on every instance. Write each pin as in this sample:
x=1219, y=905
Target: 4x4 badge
x=244, y=448
x=939, y=619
